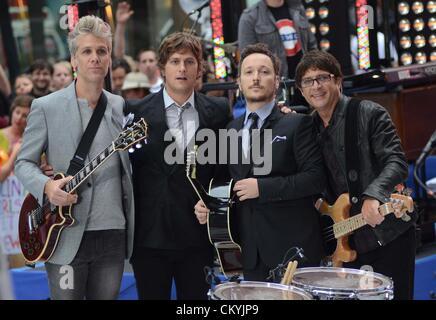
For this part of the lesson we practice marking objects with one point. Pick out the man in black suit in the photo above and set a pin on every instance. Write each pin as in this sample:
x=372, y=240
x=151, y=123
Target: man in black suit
x=275, y=210
x=169, y=242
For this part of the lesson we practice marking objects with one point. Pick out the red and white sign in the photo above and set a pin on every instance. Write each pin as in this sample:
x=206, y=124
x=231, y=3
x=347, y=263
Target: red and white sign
x=289, y=36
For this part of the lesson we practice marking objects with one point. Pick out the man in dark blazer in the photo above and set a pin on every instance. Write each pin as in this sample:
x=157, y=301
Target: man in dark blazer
x=275, y=211
x=169, y=243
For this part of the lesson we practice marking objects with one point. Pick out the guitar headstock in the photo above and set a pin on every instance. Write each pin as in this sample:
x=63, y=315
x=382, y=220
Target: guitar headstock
x=131, y=135
x=401, y=205
x=191, y=163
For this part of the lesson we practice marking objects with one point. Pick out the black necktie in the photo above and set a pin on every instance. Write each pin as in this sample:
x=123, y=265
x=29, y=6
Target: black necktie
x=254, y=118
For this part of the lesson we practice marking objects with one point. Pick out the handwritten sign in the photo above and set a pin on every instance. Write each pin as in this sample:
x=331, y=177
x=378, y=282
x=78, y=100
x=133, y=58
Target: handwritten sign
x=11, y=198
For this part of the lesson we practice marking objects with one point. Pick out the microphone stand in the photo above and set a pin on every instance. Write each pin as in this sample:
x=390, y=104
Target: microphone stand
x=192, y=30
x=278, y=272
x=421, y=165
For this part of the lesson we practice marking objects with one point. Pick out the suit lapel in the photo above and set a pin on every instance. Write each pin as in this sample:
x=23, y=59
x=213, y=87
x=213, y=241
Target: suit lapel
x=114, y=120
x=205, y=112
x=158, y=128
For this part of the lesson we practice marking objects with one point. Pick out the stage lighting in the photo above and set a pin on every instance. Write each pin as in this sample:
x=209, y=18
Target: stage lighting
x=418, y=24
x=310, y=13
x=404, y=25
x=416, y=20
x=324, y=44
x=432, y=41
x=406, y=59
x=323, y=12
x=432, y=23
x=418, y=7
x=218, y=38
x=403, y=8
x=405, y=42
x=419, y=41
x=324, y=28
x=431, y=6
x=318, y=14
x=420, y=57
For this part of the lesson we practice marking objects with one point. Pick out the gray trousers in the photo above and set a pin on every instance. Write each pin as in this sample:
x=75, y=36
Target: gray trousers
x=96, y=271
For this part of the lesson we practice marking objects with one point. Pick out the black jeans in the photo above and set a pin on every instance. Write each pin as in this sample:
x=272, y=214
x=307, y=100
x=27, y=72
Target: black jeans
x=96, y=271
x=395, y=260
x=155, y=269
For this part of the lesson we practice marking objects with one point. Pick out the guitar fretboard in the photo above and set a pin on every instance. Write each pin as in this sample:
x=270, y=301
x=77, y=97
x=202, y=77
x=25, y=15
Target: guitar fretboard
x=345, y=227
x=89, y=168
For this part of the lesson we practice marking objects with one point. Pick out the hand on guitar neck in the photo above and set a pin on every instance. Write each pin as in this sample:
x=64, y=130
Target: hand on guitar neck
x=201, y=211
x=57, y=196
x=371, y=213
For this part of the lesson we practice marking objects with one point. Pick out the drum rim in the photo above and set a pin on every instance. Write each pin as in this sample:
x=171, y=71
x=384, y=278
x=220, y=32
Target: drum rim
x=385, y=287
x=305, y=294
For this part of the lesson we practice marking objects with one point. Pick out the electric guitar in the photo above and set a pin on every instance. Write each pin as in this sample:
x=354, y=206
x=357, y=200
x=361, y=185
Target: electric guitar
x=40, y=227
x=219, y=200
x=336, y=224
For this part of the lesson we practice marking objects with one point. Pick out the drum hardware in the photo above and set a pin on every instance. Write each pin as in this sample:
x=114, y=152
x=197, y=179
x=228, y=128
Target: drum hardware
x=276, y=274
x=211, y=278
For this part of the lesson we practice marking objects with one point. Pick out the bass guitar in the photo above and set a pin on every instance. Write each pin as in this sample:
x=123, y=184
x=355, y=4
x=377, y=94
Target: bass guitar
x=337, y=224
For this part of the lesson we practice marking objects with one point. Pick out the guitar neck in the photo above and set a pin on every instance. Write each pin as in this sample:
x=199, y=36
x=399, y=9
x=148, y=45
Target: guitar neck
x=89, y=168
x=351, y=224
x=199, y=190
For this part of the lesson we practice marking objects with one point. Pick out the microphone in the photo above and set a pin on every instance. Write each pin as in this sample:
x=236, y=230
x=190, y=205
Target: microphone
x=200, y=8
x=430, y=145
x=301, y=256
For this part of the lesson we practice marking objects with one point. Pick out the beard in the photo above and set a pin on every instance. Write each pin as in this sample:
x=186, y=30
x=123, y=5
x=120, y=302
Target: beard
x=264, y=97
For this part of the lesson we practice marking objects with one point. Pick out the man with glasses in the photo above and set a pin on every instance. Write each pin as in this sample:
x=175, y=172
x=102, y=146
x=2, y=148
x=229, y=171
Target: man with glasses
x=368, y=168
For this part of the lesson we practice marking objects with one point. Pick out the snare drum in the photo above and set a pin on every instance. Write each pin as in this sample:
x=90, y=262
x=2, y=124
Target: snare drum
x=252, y=290
x=343, y=284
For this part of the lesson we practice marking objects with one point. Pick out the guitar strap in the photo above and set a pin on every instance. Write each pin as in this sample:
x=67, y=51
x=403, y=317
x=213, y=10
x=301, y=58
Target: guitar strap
x=352, y=155
x=78, y=160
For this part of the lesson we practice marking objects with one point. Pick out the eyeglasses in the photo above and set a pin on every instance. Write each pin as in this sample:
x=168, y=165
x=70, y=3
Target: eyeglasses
x=323, y=78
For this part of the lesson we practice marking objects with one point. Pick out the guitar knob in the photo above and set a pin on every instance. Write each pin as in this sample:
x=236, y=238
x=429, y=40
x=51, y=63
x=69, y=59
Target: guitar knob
x=405, y=217
x=32, y=239
x=36, y=246
x=26, y=246
x=30, y=252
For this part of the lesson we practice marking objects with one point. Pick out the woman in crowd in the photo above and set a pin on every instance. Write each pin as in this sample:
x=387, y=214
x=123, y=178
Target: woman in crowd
x=10, y=137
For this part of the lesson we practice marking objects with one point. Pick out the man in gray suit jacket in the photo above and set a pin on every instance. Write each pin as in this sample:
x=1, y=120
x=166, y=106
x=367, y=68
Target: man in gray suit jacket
x=89, y=258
